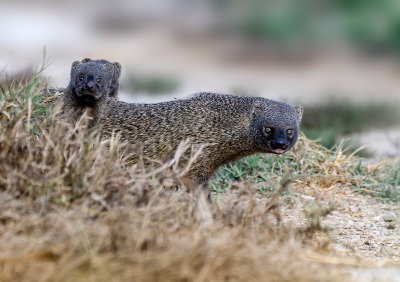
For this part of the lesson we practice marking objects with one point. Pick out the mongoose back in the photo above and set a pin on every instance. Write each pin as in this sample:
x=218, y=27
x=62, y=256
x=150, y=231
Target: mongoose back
x=232, y=127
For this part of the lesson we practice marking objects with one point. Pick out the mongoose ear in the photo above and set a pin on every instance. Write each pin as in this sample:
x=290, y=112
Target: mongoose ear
x=257, y=107
x=85, y=60
x=75, y=65
x=117, y=67
x=299, y=113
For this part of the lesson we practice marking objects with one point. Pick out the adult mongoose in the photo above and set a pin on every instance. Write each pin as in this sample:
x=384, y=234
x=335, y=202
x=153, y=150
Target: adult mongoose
x=231, y=127
x=91, y=81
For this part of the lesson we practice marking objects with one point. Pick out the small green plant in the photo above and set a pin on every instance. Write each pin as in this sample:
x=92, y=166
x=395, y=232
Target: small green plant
x=258, y=168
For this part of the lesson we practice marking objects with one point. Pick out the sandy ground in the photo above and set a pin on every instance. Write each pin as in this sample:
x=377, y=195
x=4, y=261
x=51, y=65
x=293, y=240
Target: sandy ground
x=363, y=236
x=361, y=227
x=363, y=232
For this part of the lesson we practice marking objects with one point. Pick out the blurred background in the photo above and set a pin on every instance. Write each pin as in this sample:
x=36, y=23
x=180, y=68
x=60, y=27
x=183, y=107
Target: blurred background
x=339, y=59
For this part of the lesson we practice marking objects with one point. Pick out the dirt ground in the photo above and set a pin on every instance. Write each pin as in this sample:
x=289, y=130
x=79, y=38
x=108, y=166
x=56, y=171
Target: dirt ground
x=362, y=235
x=360, y=227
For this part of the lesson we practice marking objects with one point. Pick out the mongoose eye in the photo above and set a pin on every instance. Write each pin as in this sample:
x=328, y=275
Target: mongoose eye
x=98, y=79
x=267, y=130
x=289, y=131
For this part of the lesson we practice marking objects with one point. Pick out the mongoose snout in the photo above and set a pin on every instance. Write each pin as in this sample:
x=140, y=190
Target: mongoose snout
x=279, y=139
x=89, y=91
x=91, y=86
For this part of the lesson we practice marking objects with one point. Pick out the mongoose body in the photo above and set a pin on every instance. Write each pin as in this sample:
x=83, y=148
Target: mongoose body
x=231, y=127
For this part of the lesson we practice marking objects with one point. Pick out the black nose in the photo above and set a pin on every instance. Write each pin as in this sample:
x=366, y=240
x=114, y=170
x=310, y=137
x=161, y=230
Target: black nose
x=91, y=86
x=279, y=144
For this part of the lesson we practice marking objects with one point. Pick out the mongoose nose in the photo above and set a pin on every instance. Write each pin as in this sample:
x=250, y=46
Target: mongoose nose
x=279, y=144
x=91, y=86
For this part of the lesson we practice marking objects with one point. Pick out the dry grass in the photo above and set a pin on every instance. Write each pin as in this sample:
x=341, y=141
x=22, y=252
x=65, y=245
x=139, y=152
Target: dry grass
x=71, y=211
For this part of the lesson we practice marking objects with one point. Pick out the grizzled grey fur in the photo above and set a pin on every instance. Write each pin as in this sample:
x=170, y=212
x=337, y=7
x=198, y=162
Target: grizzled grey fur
x=232, y=127
x=91, y=83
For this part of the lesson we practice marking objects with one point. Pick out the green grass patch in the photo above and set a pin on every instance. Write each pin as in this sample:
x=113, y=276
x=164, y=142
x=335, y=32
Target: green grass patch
x=311, y=163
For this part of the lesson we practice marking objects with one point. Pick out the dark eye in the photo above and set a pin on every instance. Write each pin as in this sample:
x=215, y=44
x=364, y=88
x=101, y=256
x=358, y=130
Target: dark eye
x=81, y=78
x=98, y=79
x=289, y=131
x=267, y=130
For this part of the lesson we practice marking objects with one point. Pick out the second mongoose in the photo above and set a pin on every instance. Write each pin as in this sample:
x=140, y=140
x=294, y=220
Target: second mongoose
x=91, y=83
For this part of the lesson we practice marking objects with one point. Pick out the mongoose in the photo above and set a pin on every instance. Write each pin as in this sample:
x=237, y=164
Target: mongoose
x=90, y=81
x=232, y=127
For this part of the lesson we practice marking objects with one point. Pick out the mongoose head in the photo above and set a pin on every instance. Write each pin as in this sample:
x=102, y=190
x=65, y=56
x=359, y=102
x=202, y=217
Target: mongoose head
x=274, y=126
x=93, y=79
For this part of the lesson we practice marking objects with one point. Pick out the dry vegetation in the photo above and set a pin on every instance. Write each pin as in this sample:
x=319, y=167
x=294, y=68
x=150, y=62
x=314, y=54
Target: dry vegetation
x=71, y=211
